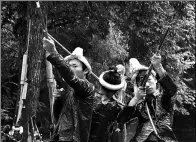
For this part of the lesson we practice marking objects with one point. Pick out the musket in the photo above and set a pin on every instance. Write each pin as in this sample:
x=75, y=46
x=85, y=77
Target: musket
x=23, y=81
x=69, y=53
x=23, y=90
x=48, y=35
x=51, y=83
x=143, y=84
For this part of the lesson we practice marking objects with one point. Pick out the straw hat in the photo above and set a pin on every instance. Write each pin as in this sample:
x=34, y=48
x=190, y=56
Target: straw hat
x=78, y=54
x=135, y=67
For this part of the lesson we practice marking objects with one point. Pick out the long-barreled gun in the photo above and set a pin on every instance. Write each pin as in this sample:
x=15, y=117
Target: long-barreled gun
x=48, y=35
x=50, y=77
x=69, y=53
x=143, y=84
x=23, y=81
x=23, y=92
x=51, y=83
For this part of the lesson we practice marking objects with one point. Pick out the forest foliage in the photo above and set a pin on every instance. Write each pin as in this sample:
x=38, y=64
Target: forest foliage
x=110, y=33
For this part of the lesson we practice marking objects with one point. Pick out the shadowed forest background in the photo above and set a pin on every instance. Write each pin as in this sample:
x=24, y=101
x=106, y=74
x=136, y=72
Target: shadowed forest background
x=110, y=33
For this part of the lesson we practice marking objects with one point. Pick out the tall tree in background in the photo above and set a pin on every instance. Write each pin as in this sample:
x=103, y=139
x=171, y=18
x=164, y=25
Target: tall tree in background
x=35, y=59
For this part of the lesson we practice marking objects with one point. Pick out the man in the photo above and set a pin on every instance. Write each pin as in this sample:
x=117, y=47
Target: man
x=73, y=124
x=121, y=97
x=159, y=102
x=107, y=108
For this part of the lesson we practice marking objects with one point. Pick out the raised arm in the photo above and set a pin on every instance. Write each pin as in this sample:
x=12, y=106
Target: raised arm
x=165, y=80
x=167, y=84
x=82, y=86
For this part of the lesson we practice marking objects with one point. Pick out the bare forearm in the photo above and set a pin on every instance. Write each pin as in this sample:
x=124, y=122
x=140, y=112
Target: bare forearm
x=160, y=70
x=133, y=101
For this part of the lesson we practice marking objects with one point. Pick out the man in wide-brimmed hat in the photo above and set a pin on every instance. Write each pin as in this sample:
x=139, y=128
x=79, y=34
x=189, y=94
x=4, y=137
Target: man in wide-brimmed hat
x=73, y=124
x=160, y=102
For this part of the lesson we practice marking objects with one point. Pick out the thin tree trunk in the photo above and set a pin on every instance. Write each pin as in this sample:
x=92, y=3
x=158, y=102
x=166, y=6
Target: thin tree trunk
x=35, y=59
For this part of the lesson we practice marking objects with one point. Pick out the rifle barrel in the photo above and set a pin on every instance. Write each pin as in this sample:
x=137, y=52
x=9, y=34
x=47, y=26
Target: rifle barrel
x=159, y=48
x=46, y=34
x=143, y=83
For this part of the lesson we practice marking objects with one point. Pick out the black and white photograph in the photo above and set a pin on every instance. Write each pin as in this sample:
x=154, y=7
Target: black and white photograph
x=98, y=71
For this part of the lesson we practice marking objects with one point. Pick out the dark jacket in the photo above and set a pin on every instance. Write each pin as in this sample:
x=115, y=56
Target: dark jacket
x=161, y=110
x=103, y=118
x=75, y=117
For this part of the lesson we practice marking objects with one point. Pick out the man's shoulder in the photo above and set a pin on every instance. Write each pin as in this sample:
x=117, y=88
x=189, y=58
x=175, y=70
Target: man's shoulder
x=87, y=91
x=90, y=84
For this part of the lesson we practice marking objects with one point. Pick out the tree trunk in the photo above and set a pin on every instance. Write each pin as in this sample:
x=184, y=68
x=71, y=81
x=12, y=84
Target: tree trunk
x=35, y=59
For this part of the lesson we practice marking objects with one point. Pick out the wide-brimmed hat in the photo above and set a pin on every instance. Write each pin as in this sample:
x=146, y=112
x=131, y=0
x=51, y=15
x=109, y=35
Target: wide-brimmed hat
x=78, y=54
x=110, y=86
x=135, y=67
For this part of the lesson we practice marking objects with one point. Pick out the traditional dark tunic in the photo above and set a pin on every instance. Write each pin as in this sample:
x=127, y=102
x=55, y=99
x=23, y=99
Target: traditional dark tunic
x=75, y=118
x=161, y=110
x=104, y=115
